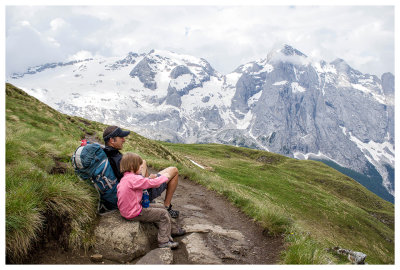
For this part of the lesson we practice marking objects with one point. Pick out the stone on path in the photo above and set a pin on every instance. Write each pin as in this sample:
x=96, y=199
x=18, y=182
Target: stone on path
x=205, y=228
x=157, y=256
x=216, y=245
x=96, y=258
x=198, y=252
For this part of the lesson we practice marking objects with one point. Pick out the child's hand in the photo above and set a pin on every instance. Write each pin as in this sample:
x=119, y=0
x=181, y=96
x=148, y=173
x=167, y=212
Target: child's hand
x=152, y=176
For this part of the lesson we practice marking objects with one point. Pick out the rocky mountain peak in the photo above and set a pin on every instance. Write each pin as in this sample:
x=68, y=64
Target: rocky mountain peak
x=289, y=51
x=130, y=59
x=343, y=67
x=249, y=68
x=339, y=62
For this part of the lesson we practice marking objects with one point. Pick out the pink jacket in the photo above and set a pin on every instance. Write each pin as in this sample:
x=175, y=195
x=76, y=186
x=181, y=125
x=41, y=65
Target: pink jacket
x=129, y=192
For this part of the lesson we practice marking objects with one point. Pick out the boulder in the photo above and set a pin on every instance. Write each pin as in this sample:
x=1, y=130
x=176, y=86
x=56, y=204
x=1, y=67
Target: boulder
x=356, y=257
x=120, y=240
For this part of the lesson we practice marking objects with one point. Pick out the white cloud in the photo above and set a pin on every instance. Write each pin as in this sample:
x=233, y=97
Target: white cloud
x=25, y=46
x=81, y=55
x=24, y=23
x=226, y=36
x=53, y=42
x=294, y=59
x=57, y=24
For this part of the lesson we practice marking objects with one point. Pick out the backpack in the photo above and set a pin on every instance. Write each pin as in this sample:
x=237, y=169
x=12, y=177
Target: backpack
x=91, y=164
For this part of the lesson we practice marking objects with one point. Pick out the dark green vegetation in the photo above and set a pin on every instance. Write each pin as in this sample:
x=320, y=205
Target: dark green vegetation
x=372, y=182
x=314, y=206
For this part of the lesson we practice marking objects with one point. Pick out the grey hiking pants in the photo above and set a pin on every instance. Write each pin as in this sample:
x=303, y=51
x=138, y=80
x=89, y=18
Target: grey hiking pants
x=158, y=214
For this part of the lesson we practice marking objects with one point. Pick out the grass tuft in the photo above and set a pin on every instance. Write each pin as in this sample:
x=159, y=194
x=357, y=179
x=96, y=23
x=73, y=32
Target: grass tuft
x=38, y=204
x=303, y=249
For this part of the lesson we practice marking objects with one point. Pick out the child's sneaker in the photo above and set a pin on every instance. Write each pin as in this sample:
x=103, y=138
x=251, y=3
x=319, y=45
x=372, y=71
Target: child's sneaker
x=173, y=213
x=179, y=232
x=169, y=244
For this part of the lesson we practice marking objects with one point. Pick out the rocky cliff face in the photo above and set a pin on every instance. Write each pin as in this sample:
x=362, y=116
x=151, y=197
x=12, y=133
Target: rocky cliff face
x=284, y=103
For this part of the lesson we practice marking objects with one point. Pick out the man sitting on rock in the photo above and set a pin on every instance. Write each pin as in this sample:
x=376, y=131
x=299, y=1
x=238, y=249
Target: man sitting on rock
x=114, y=138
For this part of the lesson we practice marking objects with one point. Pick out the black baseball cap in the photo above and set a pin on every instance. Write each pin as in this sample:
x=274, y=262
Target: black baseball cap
x=117, y=132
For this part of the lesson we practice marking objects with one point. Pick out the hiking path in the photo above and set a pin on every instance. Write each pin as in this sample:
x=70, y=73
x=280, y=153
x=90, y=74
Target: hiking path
x=217, y=233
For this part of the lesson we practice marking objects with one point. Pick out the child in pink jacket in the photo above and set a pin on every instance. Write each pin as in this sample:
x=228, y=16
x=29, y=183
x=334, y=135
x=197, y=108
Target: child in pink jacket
x=129, y=193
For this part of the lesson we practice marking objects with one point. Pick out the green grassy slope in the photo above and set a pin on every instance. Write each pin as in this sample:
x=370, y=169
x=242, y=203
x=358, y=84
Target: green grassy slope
x=44, y=198
x=41, y=189
x=314, y=206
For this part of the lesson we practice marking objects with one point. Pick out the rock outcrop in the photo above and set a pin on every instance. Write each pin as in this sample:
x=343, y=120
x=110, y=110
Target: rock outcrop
x=209, y=238
x=123, y=241
x=120, y=240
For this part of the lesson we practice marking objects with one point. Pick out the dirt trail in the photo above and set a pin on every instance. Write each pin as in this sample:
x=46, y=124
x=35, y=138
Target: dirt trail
x=227, y=236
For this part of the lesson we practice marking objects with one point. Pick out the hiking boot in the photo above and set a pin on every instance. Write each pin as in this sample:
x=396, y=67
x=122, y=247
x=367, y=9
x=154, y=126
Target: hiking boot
x=180, y=232
x=169, y=244
x=173, y=213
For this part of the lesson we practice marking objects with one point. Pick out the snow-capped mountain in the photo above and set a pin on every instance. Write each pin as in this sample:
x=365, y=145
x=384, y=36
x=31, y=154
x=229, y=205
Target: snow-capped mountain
x=285, y=103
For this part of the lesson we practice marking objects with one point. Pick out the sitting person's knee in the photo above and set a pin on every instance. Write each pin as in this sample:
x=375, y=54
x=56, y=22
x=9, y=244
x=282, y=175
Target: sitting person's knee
x=174, y=170
x=170, y=172
x=165, y=216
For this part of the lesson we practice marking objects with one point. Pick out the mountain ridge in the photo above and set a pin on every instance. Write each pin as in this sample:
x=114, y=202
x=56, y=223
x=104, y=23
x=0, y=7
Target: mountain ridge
x=283, y=103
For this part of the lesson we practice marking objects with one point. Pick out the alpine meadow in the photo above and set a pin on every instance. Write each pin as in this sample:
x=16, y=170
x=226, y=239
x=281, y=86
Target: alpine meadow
x=313, y=206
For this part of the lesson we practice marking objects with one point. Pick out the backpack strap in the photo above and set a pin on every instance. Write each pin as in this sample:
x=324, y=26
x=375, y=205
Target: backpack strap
x=109, y=183
x=101, y=208
x=104, y=180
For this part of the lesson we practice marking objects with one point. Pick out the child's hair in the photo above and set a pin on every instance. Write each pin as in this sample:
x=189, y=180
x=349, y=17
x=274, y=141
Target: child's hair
x=130, y=162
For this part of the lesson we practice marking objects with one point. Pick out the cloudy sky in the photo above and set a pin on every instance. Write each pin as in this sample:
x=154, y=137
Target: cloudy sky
x=226, y=36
